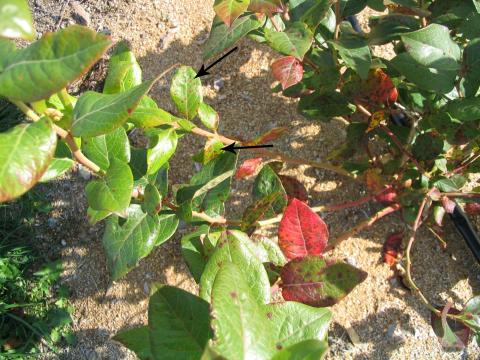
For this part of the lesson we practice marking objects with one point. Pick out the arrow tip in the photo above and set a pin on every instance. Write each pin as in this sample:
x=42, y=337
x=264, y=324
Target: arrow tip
x=202, y=72
x=230, y=148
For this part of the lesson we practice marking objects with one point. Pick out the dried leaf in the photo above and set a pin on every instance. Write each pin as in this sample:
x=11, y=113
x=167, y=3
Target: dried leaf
x=392, y=247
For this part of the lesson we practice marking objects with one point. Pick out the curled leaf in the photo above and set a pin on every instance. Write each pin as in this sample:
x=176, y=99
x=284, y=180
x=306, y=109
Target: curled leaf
x=301, y=232
x=392, y=247
x=453, y=335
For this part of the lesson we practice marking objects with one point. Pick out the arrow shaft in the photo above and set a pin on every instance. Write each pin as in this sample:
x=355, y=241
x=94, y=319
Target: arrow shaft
x=252, y=147
x=223, y=57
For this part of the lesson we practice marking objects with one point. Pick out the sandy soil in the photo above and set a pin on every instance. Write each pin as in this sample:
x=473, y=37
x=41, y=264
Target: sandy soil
x=390, y=322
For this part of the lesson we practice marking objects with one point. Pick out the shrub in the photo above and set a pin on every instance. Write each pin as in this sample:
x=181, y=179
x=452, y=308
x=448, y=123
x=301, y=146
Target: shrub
x=404, y=113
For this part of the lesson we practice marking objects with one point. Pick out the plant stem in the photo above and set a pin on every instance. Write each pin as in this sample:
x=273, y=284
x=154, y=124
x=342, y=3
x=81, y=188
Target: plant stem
x=408, y=262
x=464, y=166
x=65, y=135
x=338, y=20
x=273, y=154
x=323, y=208
x=397, y=142
x=274, y=23
x=202, y=216
x=462, y=195
x=363, y=225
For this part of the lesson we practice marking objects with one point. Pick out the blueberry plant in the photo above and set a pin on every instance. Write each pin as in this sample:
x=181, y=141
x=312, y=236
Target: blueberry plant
x=239, y=312
x=412, y=119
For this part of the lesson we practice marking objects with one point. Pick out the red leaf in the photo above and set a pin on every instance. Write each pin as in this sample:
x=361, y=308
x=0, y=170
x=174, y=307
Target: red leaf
x=230, y=10
x=248, y=168
x=301, y=232
x=270, y=135
x=288, y=70
x=315, y=281
x=392, y=247
x=388, y=196
x=294, y=188
x=380, y=87
x=472, y=208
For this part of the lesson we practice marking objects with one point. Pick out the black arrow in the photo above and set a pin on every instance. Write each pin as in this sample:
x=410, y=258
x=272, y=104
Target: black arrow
x=231, y=148
x=204, y=70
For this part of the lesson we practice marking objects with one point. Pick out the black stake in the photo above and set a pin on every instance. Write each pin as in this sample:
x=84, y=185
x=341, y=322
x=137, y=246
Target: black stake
x=204, y=70
x=231, y=148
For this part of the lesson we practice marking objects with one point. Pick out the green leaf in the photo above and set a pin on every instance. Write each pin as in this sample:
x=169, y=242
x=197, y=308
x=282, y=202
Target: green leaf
x=7, y=50
x=208, y=116
x=126, y=244
x=97, y=114
x=267, y=183
x=51, y=63
x=16, y=20
x=152, y=200
x=431, y=60
x=390, y=27
x=147, y=114
x=137, y=340
x=427, y=146
x=258, y=209
x=124, y=72
x=230, y=10
x=352, y=7
x=452, y=184
x=236, y=247
x=295, y=41
x=305, y=350
x=57, y=167
x=222, y=37
x=162, y=145
x=209, y=188
x=186, y=91
x=310, y=12
x=464, y=109
x=104, y=148
x=471, y=64
x=193, y=251
x=179, y=324
x=113, y=192
x=138, y=162
x=325, y=106
x=25, y=154
x=354, y=51
x=304, y=322
x=94, y=216
x=168, y=224
x=238, y=328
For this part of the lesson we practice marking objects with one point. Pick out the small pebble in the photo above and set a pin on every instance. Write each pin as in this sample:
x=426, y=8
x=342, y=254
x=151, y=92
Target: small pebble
x=79, y=14
x=52, y=222
x=84, y=173
x=218, y=84
x=64, y=243
x=351, y=260
x=146, y=288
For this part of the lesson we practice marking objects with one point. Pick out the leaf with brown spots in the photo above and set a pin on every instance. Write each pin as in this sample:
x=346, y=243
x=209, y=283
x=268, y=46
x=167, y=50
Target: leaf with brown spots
x=301, y=232
x=315, y=281
x=230, y=10
x=288, y=70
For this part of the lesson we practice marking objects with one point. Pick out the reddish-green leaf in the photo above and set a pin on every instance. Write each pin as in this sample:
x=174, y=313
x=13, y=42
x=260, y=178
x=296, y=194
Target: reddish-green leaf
x=453, y=335
x=266, y=6
x=294, y=188
x=248, y=168
x=256, y=211
x=48, y=65
x=229, y=10
x=288, y=70
x=301, y=232
x=25, y=153
x=314, y=281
